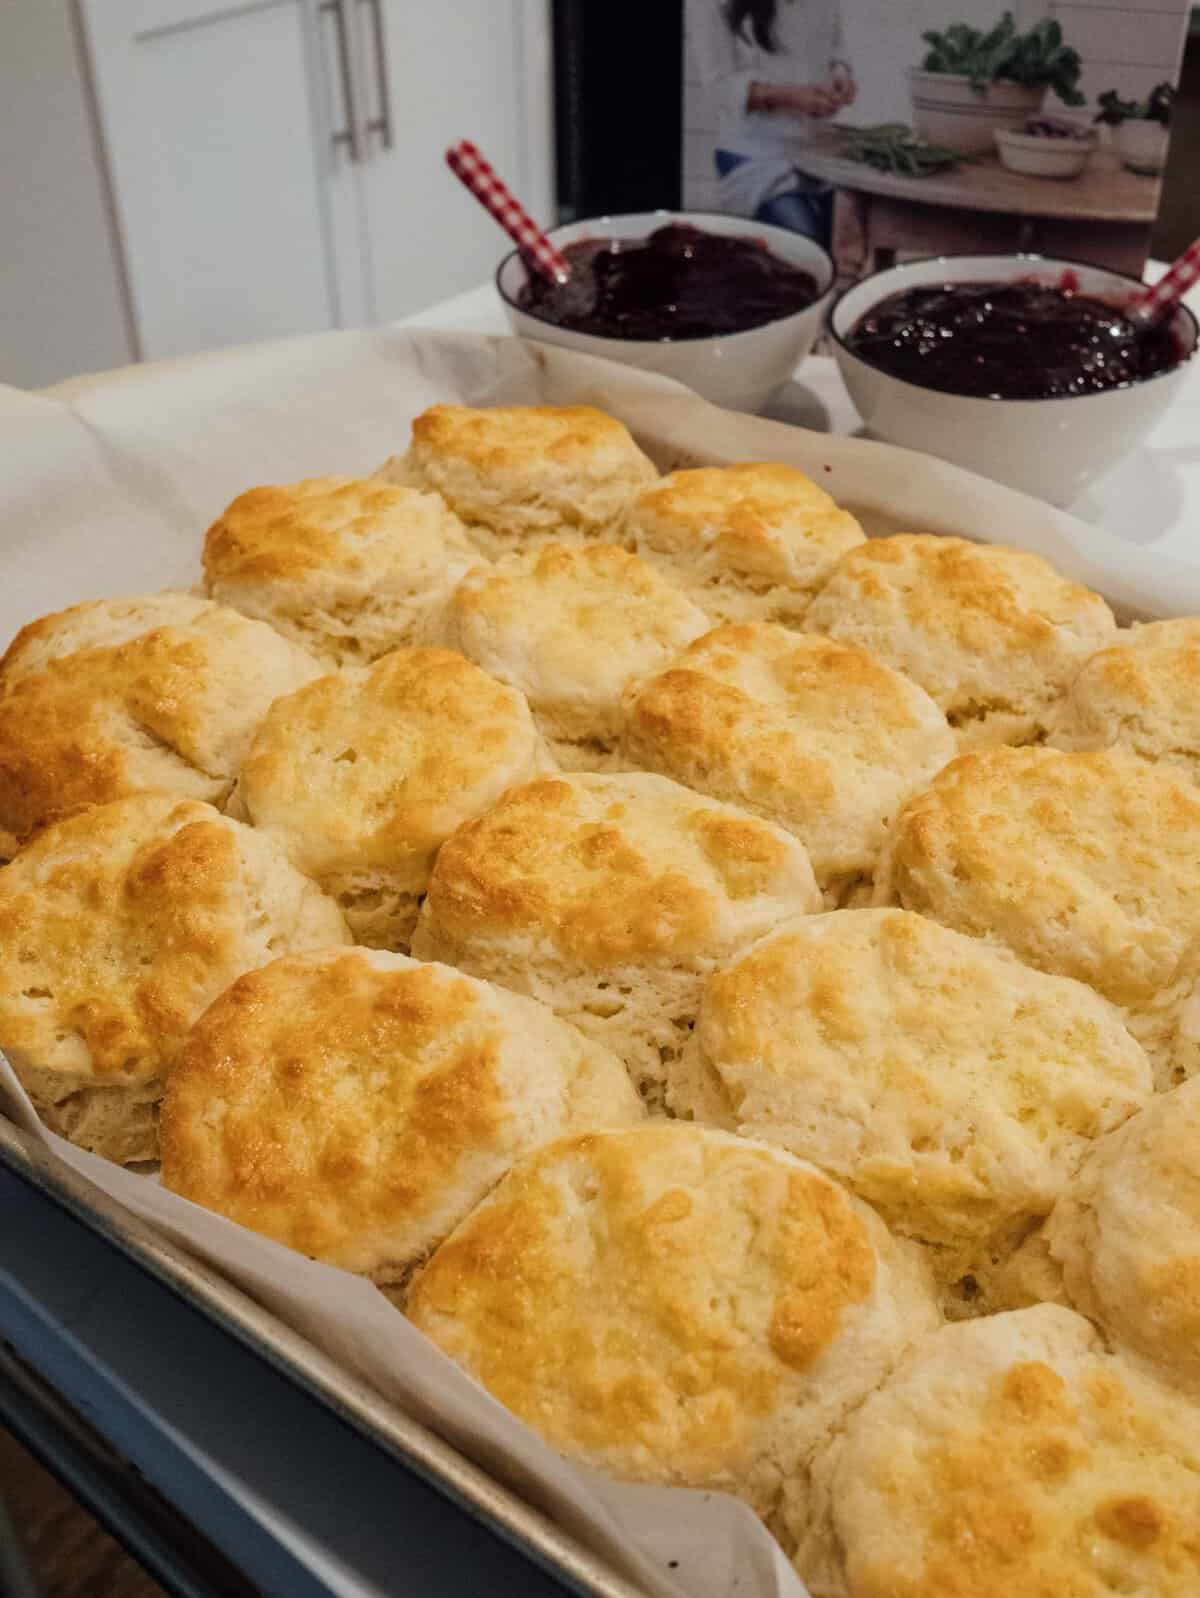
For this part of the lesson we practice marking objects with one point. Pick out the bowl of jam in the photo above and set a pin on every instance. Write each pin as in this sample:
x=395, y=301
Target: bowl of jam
x=1023, y=368
x=728, y=306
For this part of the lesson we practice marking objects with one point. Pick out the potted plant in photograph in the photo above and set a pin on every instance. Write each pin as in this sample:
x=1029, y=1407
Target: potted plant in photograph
x=1141, y=128
x=972, y=82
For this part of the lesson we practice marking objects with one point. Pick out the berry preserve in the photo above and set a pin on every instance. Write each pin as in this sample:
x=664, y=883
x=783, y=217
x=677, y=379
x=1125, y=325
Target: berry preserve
x=678, y=283
x=1011, y=340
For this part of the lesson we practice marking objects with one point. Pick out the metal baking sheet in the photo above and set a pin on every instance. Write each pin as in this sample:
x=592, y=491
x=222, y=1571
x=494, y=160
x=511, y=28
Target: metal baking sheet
x=110, y=480
x=411, y=1445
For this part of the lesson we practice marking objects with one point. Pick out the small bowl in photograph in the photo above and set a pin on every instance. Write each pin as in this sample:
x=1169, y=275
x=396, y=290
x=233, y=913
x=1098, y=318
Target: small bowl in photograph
x=1142, y=146
x=1049, y=447
x=1035, y=155
x=741, y=370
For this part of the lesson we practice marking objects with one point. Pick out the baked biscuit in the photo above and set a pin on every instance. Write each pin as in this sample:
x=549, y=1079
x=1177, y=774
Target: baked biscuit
x=83, y=721
x=1127, y=1236
x=1007, y=1456
x=951, y=1087
x=94, y=624
x=117, y=927
x=361, y=775
x=751, y=542
x=569, y=627
x=524, y=474
x=610, y=898
x=818, y=737
x=1140, y=695
x=675, y=1305
x=993, y=634
x=356, y=1105
x=347, y=567
x=1084, y=865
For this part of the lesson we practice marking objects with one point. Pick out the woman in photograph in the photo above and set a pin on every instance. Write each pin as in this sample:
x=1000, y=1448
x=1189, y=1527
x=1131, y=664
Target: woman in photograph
x=779, y=69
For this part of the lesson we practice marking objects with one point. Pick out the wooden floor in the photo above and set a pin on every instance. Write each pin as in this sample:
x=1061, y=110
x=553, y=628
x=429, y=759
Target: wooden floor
x=68, y=1553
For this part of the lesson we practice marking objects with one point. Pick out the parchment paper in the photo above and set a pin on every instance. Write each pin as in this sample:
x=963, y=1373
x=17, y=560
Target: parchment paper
x=107, y=485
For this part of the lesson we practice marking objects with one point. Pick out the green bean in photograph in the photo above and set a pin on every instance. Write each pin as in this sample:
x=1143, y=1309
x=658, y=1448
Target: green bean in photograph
x=894, y=147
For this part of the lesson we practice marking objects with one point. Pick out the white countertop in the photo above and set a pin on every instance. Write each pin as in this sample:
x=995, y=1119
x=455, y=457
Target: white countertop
x=1151, y=497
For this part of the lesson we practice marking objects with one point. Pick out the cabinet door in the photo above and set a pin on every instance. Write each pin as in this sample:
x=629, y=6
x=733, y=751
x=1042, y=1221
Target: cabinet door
x=219, y=118
x=462, y=69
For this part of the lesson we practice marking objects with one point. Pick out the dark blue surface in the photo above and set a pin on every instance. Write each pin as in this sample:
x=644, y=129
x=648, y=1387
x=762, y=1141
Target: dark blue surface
x=209, y=1424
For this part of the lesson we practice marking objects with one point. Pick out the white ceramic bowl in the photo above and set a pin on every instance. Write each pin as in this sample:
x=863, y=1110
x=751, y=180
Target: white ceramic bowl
x=737, y=370
x=1142, y=146
x=949, y=112
x=1036, y=156
x=1047, y=447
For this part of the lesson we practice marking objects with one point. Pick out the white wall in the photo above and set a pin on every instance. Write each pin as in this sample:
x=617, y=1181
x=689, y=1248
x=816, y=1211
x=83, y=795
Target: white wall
x=884, y=39
x=61, y=305
x=1129, y=45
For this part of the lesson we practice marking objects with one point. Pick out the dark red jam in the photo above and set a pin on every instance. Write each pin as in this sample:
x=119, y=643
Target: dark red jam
x=677, y=283
x=1019, y=340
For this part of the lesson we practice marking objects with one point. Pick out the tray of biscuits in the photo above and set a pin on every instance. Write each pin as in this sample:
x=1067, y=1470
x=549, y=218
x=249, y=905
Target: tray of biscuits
x=666, y=946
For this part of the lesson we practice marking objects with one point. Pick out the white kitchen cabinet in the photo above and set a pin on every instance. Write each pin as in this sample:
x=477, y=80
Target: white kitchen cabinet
x=464, y=69
x=62, y=302
x=277, y=165
x=223, y=169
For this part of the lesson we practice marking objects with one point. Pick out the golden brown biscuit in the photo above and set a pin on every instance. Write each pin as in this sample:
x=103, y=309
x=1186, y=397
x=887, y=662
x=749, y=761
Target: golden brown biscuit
x=356, y=1105
x=1140, y=695
x=95, y=624
x=1008, y=1456
x=1011, y=1279
x=951, y=1087
x=610, y=898
x=362, y=775
x=671, y=1304
x=569, y=627
x=993, y=634
x=347, y=567
x=173, y=708
x=117, y=928
x=751, y=542
x=1127, y=1236
x=1084, y=865
x=523, y=474
x=818, y=737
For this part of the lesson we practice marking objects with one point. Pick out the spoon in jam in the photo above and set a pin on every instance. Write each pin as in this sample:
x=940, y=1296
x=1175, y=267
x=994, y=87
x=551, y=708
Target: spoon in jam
x=481, y=178
x=1154, y=304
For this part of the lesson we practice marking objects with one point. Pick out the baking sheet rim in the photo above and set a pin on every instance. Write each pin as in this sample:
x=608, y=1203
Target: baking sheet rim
x=352, y=1400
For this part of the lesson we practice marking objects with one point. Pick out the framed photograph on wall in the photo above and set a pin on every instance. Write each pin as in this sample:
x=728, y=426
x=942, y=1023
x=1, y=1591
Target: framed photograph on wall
x=890, y=129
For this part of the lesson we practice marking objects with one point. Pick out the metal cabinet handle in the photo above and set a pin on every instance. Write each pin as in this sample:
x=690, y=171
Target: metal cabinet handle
x=349, y=134
x=382, y=124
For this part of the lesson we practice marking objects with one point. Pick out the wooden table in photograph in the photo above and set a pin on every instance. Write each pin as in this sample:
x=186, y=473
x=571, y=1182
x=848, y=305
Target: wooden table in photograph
x=1102, y=216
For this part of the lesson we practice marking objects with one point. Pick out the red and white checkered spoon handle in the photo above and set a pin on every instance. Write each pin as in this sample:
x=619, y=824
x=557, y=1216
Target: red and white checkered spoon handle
x=470, y=168
x=1152, y=304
